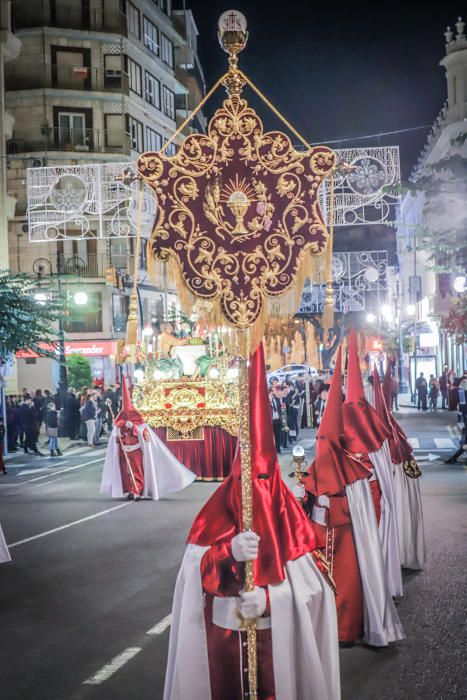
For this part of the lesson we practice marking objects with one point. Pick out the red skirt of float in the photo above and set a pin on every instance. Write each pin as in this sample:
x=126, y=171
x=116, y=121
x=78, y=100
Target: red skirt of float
x=210, y=459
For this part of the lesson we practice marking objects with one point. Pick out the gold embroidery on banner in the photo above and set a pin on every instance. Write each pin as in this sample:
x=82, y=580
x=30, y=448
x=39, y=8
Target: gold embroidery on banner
x=221, y=191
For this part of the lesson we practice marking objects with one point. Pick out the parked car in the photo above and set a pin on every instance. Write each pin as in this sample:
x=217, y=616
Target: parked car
x=292, y=372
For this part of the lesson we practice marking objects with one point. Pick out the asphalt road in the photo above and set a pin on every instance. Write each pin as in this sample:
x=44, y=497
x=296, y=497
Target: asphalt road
x=84, y=604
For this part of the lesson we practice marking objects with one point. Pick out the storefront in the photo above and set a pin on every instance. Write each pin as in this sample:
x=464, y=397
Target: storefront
x=36, y=372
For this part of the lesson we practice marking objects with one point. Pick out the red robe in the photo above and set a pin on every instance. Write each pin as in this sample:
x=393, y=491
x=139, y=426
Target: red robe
x=131, y=484
x=227, y=649
x=337, y=543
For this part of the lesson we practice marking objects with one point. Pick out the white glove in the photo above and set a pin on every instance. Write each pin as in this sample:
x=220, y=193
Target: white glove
x=245, y=546
x=253, y=604
x=299, y=491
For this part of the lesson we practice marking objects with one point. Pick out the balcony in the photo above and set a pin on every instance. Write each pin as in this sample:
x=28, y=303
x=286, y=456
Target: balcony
x=74, y=266
x=67, y=14
x=37, y=75
x=74, y=140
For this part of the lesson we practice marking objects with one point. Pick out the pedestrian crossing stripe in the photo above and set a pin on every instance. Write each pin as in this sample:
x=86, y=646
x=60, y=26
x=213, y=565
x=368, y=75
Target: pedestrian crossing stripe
x=446, y=443
x=414, y=443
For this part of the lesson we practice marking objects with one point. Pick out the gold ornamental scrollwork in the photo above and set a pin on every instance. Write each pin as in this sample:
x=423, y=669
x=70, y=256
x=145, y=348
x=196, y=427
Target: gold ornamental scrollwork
x=238, y=210
x=186, y=405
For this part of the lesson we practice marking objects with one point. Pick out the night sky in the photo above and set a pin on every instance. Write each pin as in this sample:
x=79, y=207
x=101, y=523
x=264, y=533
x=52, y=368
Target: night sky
x=339, y=71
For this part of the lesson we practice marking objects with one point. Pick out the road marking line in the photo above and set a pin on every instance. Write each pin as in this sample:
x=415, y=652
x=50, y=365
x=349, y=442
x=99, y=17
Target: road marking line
x=447, y=443
x=113, y=666
x=65, y=527
x=161, y=626
x=46, y=483
x=59, y=471
x=34, y=471
x=413, y=442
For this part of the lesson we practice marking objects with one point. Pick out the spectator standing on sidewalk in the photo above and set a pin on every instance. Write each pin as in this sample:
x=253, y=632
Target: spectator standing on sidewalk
x=2, y=445
x=100, y=412
x=13, y=429
x=434, y=390
x=443, y=387
x=110, y=395
x=51, y=421
x=292, y=412
x=421, y=388
x=320, y=405
x=73, y=418
x=88, y=416
x=275, y=403
x=29, y=422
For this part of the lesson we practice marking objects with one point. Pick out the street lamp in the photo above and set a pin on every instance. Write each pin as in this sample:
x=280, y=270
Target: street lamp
x=460, y=284
x=371, y=318
x=43, y=267
x=80, y=298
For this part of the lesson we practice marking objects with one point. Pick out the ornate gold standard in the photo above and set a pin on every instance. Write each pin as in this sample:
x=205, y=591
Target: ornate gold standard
x=239, y=222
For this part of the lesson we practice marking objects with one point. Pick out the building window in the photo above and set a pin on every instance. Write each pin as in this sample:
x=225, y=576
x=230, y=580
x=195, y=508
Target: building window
x=151, y=36
x=113, y=130
x=152, y=90
x=120, y=307
x=167, y=51
x=132, y=13
x=135, y=129
x=87, y=318
x=134, y=76
x=71, y=129
x=113, y=71
x=171, y=149
x=164, y=5
x=168, y=102
x=153, y=140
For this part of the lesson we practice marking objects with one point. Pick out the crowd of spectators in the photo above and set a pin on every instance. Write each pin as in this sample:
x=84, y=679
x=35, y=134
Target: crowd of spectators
x=85, y=415
x=291, y=406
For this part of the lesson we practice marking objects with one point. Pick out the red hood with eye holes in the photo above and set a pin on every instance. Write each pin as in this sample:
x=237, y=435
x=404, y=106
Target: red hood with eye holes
x=284, y=530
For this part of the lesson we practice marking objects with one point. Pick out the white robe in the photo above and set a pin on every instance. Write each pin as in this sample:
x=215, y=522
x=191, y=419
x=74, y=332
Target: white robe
x=410, y=519
x=4, y=552
x=381, y=622
x=388, y=524
x=163, y=473
x=304, y=634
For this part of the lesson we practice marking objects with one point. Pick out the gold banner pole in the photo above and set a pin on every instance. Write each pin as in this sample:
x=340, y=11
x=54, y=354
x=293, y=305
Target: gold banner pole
x=247, y=509
x=132, y=323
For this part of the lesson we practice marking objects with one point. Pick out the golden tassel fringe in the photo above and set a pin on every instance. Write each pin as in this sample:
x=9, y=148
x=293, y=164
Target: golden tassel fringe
x=210, y=313
x=132, y=331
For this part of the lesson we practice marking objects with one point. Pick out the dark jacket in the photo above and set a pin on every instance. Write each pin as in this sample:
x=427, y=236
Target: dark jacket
x=2, y=434
x=89, y=411
x=27, y=417
x=52, y=419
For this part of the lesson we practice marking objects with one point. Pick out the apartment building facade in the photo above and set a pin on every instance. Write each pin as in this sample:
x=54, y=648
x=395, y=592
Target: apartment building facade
x=421, y=286
x=95, y=81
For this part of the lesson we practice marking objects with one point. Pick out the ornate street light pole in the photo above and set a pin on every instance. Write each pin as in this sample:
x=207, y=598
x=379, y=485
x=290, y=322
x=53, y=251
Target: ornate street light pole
x=43, y=267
